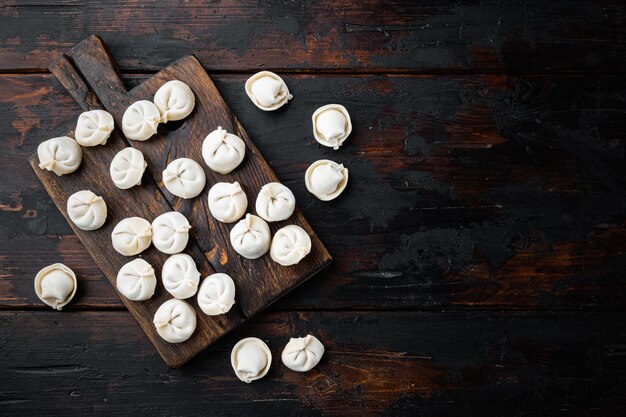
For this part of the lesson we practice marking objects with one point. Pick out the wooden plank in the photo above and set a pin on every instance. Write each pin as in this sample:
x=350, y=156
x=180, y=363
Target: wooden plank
x=503, y=364
x=530, y=35
x=521, y=176
x=260, y=281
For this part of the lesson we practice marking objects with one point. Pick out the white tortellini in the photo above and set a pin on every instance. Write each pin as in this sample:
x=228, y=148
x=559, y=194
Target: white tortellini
x=175, y=101
x=55, y=285
x=251, y=359
x=87, y=210
x=267, y=91
x=227, y=202
x=251, y=237
x=180, y=276
x=326, y=179
x=175, y=321
x=127, y=168
x=61, y=155
x=331, y=125
x=94, y=127
x=290, y=245
x=275, y=202
x=223, y=151
x=136, y=280
x=141, y=120
x=302, y=353
x=170, y=232
x=216, y=294
x=131, y=236
x=184, y=178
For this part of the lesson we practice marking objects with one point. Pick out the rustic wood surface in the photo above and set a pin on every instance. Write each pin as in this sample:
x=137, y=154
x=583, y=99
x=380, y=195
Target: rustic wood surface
x=479, y=250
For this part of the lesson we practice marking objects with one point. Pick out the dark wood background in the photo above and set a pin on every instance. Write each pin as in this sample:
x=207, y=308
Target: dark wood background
x=479, y=247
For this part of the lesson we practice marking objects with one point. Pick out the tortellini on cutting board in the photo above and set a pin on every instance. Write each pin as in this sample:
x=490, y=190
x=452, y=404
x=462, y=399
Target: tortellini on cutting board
x=61, y=155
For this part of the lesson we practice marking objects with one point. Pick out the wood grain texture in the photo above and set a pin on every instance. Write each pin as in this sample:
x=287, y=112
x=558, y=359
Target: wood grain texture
x=520, y=178
x=260, y=281
x=372, y=35
x=390, y=364
x=487, y=179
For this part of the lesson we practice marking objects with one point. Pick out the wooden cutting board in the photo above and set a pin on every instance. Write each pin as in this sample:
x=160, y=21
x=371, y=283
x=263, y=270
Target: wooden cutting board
x=90, y=75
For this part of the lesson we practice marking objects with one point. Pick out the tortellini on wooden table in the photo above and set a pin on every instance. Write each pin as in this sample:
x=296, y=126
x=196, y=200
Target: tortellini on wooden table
x=56, y=285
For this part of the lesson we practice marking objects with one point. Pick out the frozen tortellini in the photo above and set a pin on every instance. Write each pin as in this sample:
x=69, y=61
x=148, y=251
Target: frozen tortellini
x=131, y=236
x=290, y=245
x=184, y=178
x=94, y=127
x=175, y=101
x=227, y=202
x=175, y=321
x=251, y=359
x=302, y=353
x=55, y=285
x=136, y=280
x=267, y=90
x=216, y=294
x=61, y=155
x=127, y=168
x=170, y=232
x=223, y=151
x=180, y=276
x=326, y=179
x=140, y=120
x=251, y=237
x=87, y=210
x=275, y=202
x=331, y=125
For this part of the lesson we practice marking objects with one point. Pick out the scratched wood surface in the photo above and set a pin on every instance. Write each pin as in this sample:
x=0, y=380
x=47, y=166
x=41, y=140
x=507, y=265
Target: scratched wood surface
x=364, y=36
x=479, y=250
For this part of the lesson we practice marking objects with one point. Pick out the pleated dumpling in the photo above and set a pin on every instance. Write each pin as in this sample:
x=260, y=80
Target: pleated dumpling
x=275, y=202
x=94, y=127
x=326, y=179
x=87, y=210
x=251, y=237
x=302, y=353
x=250, y=359
x=131, y=236
x=136, y=280
x=180, y=276
x=331, y=125
x=227, y=202
x=184, y=178
x=223, y=151
x=61, y=155
x=175, y=101
x=127, y=168
x=55, y=285
x=216, y=294
x=140, y=120
x=290, y=245
x=267, y=91
x=175, y=321
x=170, y=232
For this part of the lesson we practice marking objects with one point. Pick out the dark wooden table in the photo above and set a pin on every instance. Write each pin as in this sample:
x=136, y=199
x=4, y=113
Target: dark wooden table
x=479, y=248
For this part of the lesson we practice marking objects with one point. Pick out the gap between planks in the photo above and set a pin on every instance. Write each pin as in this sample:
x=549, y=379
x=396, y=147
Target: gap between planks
x=349, y=72
x=355, y=310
